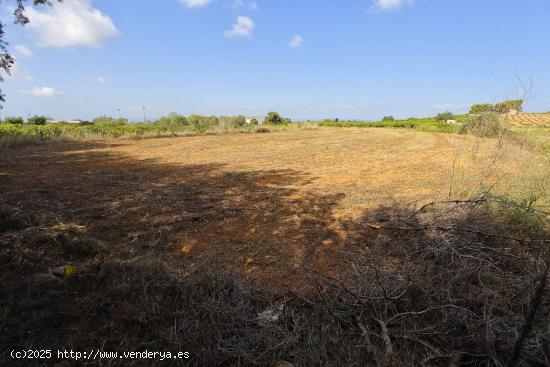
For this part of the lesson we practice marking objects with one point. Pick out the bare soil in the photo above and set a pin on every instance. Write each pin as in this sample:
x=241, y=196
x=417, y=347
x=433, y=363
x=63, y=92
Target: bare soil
x=262, y=206
x=253, y=203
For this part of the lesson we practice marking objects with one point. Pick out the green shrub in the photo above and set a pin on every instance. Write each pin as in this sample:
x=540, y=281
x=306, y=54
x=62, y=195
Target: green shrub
x=439, y=127
x=202, y=123
x=483, y=124
x=429, y=124
x=509, y=105
x=238, y=121
x=273, y=118
x=37, y=120
x=109, y=121
x=254, y=122
x=445, y=116
x=14, y=120
x=231, y=122
x=388, y=118
x=12, y=135
x=173, y=120
x=482, y=107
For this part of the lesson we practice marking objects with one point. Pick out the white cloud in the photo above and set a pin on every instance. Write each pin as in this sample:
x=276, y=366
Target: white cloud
x=243, y=28
x=71, y=23
x=23, y=50
x=101, y=79
x=43, y=92
x=296, y=41
x=242, y=4
x=390, y=5
x=195, y=3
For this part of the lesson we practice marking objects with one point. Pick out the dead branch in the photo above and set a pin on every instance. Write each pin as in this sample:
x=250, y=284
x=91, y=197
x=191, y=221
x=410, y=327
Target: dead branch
x=418, y=313
x=387, y=341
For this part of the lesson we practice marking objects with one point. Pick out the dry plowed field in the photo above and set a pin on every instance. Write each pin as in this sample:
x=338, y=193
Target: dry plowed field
x=529, y=120
x=258, y=204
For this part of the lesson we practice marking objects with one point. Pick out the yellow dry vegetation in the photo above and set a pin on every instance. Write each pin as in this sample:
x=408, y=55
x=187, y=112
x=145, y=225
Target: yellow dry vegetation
x=528, y=120
x=367, y=167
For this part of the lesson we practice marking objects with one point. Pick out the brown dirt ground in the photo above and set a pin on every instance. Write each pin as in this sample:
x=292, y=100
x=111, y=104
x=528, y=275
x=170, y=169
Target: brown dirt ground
x=529, y=120
x=257, y=204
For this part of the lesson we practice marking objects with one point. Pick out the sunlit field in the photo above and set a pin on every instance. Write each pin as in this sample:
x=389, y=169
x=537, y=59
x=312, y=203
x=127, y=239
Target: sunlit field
x=233, y=223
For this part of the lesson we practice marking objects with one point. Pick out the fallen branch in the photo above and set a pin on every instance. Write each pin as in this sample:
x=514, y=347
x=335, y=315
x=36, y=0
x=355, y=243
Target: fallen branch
x=417, y=313
x=387, y=342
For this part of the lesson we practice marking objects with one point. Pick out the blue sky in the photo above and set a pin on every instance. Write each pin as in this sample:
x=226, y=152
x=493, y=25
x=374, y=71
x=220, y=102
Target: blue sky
x=357, y=59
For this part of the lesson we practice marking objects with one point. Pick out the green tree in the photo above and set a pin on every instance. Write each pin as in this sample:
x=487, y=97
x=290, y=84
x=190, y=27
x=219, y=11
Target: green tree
x=172, y=120
x=37, y=120
x=14, y=120
x=7, y=60
x=509, y=105
x=109, y=121
x=445, y=116
x=482, y=107
x=231, y=121
x=202, y=123
x=238, y=121
x=388, y=118
x=273, y=118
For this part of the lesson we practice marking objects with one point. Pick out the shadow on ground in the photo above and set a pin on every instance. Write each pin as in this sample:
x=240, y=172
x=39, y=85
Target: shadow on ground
x=184, y=258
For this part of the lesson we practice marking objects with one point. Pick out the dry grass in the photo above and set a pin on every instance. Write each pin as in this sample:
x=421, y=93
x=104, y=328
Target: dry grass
x=368, y=167
x=291, y=191
x=143, y=220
